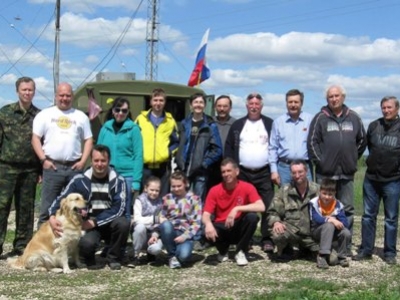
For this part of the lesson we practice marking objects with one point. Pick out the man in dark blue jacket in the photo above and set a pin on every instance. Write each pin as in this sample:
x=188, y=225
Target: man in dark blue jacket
x=105, y=192
x=199, y=146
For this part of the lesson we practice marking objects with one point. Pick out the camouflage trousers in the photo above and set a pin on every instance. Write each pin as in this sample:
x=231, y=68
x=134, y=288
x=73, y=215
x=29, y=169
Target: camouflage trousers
x=18, y=183
x=291, y=238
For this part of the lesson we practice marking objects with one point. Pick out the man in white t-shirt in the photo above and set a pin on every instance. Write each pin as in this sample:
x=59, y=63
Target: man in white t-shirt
x=247, y=143
x=62, y=139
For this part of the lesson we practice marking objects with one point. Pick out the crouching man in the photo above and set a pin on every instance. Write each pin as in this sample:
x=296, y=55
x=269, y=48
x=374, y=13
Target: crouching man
x=289, y=214
x=105, y=192
x=234, y=204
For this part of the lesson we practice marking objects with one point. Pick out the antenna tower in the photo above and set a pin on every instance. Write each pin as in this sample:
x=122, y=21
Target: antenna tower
x=152, y=31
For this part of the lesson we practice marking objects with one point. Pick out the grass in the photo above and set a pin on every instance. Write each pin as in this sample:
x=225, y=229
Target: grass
x=206, y=279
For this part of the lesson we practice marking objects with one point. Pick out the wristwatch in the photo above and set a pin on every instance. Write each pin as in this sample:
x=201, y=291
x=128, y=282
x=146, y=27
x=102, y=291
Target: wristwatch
x=43, y=160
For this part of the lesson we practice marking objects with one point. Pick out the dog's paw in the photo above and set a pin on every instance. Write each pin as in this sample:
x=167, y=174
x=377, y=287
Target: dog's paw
x=67, y=271
x=57, y=270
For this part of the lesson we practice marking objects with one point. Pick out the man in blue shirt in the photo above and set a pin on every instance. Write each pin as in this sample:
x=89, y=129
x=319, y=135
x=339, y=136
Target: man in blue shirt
x=288, y=140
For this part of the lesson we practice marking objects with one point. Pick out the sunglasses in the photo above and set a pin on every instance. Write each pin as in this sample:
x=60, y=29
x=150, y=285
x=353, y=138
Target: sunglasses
x=121, y=110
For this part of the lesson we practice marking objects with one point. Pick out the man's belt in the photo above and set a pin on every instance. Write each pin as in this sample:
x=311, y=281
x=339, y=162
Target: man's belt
x=156, y=165
x=289, y=161
x=255, y=170
x=67, y=163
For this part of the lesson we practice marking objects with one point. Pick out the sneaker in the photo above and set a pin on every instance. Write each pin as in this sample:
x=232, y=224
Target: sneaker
x=13, y=253
x=361, y=256
x=321, y=262
x=333, y=258
x=133, y=262
x=241, y=259
x=115, y=266
x=390, y=260
x=267, y=246
x=174, y=263
x=223, y=257
x=344, y=263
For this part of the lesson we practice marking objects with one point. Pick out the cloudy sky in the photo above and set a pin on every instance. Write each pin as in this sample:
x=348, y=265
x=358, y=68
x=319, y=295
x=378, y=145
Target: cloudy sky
x=267, y=46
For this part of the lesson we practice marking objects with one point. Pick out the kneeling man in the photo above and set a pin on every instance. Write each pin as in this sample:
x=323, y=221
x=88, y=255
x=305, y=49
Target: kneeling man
x=234, y=205
x=105, y=192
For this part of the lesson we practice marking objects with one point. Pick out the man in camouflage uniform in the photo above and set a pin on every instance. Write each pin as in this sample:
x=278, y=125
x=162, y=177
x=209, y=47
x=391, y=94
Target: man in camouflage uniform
x=19, y=166
x=288, y=215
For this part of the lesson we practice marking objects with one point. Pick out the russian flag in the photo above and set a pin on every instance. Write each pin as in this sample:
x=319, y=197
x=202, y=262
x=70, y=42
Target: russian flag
x=201, y=72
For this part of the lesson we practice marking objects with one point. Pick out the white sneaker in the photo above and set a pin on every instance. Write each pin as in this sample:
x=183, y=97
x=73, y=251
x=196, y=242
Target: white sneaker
x=223, y=257
x=241, y=259
x=174, y=263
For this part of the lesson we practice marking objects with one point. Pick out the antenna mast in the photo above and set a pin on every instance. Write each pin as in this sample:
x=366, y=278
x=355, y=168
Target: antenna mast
x=152, y=31
x=56, y=62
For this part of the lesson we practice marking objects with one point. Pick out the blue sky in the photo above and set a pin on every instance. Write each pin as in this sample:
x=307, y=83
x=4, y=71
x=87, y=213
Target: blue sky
x=267, y=46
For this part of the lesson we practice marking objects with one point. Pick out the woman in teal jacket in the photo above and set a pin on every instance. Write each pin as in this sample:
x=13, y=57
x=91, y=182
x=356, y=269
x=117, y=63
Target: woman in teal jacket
x=124, y=139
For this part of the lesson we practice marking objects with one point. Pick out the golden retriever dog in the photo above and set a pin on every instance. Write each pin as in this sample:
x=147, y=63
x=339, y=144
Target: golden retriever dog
x=46, y=251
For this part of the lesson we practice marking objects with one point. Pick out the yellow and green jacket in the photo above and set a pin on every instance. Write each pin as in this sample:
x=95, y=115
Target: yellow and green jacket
x=159, y=143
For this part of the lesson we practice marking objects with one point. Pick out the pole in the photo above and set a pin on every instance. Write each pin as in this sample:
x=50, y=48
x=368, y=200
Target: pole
x=56, y=62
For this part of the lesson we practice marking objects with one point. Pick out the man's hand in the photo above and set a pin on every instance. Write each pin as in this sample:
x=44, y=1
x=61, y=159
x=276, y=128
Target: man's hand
x=88, y=224
x=48, y=164
x=152, y=240
x=210, y=232
x=279, y=228
x=78, y=165
x=230, y=220
x=338, y=225
x=275, y=178
x=180, y=239
x=56, y=226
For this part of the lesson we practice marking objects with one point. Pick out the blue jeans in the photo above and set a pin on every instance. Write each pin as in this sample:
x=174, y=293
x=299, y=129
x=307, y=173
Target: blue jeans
x=182, y=251
x=285, y=174
x=389, y=192
x=199, y=186
x=129, y=202
x=54, y=181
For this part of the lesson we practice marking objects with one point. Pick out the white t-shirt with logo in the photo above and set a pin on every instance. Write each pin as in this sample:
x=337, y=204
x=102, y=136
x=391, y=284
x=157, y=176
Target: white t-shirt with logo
x=253, y=149
x=63, y=132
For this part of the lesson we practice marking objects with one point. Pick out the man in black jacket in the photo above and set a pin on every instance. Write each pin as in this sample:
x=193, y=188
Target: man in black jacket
x=335, y=142
x=382, y=181
x=247, y=143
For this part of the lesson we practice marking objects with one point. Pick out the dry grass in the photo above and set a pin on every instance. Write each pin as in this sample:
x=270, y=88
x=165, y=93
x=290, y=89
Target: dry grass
x=204, y=279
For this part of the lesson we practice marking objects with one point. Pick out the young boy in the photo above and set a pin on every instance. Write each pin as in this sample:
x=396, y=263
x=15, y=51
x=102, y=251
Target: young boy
x=328, y=224
x=147, y=205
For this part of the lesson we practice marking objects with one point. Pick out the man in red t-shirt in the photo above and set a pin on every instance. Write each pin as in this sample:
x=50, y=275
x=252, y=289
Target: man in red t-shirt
x=234, y=204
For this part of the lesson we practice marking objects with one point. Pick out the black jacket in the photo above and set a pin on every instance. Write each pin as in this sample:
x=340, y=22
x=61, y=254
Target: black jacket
x=384, y=150
x=233, y=140
x=335, y=143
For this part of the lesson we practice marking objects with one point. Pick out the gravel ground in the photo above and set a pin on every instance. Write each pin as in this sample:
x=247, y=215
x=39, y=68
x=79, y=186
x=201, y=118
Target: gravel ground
x=205, y=278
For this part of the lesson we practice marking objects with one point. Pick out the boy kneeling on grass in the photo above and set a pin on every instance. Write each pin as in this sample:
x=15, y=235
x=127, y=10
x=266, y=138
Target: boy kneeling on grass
x=328, y=224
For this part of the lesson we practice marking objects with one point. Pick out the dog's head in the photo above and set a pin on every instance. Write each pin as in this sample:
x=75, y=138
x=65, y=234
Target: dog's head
x=74, y=206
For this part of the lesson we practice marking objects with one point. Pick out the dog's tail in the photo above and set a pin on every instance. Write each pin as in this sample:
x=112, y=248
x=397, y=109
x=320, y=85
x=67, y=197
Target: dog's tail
x=15, y=262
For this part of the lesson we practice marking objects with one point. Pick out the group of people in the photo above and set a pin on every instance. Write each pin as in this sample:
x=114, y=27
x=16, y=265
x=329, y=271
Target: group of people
x=224, y=180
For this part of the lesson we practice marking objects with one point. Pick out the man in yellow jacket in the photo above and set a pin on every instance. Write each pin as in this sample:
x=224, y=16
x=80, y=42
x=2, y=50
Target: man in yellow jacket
x=160, y=140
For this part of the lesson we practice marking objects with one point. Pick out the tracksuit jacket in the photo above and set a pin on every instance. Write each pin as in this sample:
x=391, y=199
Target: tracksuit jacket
x=82, y=184
x=335, y=143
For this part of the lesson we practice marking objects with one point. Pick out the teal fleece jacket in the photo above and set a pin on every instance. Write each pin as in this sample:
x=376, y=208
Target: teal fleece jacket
x=126, y=148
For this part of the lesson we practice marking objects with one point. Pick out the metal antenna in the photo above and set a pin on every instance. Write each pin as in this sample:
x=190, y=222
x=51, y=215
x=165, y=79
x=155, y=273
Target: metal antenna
x=152, y=40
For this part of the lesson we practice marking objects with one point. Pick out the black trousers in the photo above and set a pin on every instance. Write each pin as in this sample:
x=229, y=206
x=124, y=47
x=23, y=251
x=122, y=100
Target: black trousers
x=114, y=233
x=261, y=179
x=240, y=234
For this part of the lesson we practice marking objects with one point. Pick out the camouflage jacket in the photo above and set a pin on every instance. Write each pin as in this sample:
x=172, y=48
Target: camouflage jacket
x=288, y=207
x=16, y=135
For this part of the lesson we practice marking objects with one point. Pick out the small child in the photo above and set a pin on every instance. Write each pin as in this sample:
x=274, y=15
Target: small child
x=328, y=224
x=146, y=207
x=180, y=220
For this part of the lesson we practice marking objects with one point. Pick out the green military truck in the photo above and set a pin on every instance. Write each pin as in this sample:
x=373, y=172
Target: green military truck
x=138, y=92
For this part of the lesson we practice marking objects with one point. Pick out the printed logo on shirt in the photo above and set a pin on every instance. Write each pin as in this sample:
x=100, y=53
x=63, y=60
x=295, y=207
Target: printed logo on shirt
x=63, y=122
x=239, y=201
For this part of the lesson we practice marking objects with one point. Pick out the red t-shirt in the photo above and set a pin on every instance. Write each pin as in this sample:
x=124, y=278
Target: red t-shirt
x=221, y=201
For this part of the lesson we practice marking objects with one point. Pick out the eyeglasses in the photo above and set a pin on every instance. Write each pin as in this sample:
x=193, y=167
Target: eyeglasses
x=254, y=95
x=121, y=110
